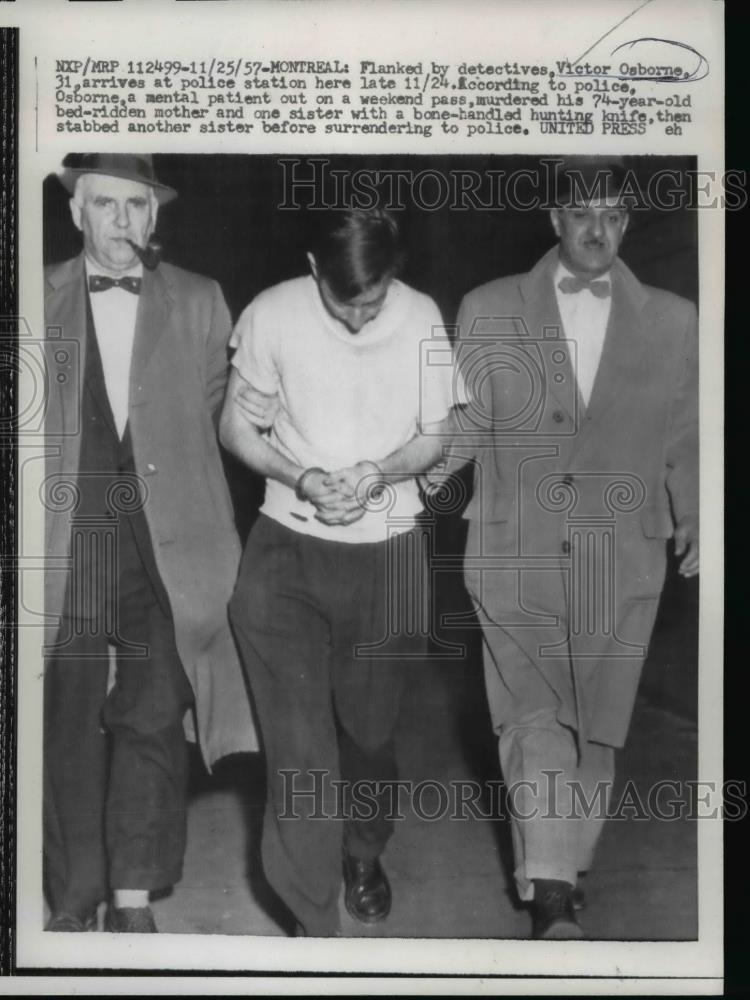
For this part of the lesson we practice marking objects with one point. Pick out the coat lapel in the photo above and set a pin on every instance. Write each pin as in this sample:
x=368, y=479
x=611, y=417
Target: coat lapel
x=544, y=323
x=623, y=342
x=94, y=381
x=154, y=308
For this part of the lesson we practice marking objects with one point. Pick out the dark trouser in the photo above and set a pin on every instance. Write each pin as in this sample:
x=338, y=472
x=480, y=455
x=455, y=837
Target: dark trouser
x=115, y=766
x=301, y=608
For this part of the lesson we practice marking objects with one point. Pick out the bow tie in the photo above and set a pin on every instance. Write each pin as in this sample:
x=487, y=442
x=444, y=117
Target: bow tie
x=570, y=285
x=100, y=283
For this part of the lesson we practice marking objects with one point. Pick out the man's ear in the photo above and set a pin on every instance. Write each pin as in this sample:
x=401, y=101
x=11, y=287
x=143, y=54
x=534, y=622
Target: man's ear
x=625, y=221
x=75, y=211
x=554, y=218
x=313, y=265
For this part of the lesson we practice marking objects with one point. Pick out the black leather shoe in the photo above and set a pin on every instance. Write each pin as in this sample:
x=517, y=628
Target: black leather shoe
x=579, y=896
x=71, y=923
x=368, y=894
x=130, y=920
x=554, y=913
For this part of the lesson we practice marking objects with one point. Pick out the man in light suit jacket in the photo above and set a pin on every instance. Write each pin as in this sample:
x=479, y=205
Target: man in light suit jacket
x=142, y=552
x=583, y=434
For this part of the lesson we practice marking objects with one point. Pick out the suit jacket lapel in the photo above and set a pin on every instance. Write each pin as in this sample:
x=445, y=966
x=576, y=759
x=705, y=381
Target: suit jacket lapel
x=94, y=381
x=623, y=342
x=154, y=307
x=544, y=323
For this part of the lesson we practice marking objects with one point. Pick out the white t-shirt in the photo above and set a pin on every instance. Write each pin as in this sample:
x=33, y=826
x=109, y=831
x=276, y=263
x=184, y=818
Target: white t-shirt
x=346, y=397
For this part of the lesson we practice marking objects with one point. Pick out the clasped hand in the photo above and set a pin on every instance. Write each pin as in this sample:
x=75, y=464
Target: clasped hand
x=339, y=497
x=343, y=496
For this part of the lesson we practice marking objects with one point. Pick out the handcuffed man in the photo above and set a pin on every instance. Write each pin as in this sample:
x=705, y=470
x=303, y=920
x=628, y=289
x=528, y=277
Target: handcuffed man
x=329, y=607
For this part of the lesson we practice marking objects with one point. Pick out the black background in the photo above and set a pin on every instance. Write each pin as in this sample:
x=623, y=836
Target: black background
x=226, y=223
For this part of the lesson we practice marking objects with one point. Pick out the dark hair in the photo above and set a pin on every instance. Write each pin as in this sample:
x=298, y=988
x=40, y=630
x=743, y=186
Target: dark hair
x=354, y=249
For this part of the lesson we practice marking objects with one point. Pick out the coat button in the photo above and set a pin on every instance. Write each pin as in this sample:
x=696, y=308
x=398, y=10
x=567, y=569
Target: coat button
x=565, y=547
x=558, y=416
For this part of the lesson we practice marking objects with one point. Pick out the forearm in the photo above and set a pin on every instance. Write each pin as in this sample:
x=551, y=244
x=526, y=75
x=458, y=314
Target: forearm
x=255, y=451
x=247, y=443
x=419, y=454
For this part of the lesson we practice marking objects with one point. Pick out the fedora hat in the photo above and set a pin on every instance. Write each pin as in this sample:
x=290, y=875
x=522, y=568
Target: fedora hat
x=129, y=166
x=583, y=178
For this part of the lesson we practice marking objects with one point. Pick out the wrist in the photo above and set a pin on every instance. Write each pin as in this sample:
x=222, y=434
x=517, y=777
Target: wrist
x=373, y=467
x=303, y=479
x=372, y=480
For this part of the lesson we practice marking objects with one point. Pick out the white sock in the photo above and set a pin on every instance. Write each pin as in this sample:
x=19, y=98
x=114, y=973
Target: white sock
x=135, y=898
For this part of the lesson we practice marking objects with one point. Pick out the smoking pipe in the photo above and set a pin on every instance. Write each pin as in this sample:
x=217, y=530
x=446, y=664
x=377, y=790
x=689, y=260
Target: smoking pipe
x=150, y=255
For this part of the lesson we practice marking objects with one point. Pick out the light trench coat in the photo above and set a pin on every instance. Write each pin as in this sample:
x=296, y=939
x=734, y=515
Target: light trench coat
x=177, y=381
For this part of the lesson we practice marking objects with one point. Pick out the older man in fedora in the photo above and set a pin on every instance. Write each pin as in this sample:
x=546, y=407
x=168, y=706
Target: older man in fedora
x=142, y=553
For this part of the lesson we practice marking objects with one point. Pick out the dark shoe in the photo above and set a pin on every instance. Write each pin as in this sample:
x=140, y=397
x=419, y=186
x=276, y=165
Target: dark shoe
x=579, y=896
x=130, y=920
x=554, y=912
x=70, y=923
x=368, y=894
